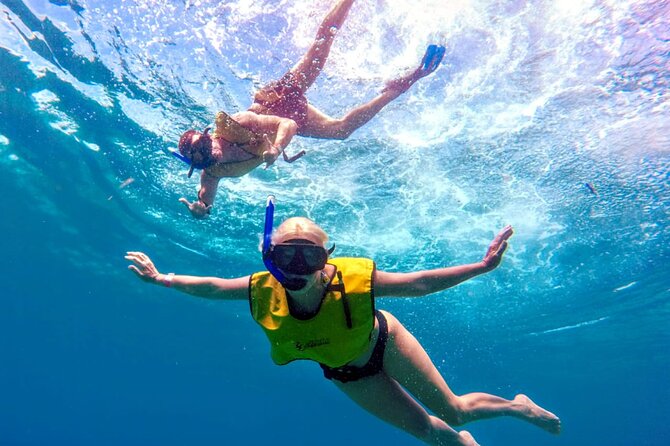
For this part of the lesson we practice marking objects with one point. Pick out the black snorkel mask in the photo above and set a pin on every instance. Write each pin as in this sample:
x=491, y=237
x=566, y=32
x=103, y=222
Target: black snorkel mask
x=297, y=256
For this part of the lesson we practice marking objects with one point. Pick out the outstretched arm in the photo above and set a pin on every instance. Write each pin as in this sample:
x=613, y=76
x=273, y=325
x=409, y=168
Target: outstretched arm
x=207, y=287
x=421, y=283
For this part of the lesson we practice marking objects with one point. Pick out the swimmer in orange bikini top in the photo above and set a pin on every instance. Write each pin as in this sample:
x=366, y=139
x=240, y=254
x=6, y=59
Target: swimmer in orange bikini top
x=281, y=110
x=236, y=147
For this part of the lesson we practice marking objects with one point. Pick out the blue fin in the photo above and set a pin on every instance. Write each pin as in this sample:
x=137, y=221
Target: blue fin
x=433, y=57
x=430, y=51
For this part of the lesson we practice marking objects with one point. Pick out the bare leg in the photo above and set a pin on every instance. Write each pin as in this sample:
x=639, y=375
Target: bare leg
x=407, y=362
x=320, y=125
x=305, y=72
x=383, y=397
x=309, y=67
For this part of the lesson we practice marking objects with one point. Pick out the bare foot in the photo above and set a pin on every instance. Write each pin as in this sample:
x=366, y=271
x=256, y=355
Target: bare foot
x=533, y=413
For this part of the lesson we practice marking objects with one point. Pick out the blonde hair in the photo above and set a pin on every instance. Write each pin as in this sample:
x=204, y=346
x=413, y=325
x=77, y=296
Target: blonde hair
x=300, y=228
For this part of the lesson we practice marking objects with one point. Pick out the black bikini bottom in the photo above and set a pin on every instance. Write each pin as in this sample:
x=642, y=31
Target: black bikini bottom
x=349, y=373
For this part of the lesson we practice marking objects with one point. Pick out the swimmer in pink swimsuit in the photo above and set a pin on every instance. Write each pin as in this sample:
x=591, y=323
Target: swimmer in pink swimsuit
x=280, y=111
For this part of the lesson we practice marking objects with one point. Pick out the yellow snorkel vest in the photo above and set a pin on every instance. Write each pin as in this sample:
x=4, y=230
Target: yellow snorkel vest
x=337, y=334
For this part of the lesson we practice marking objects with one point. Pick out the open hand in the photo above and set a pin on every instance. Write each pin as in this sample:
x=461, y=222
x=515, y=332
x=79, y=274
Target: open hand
x=497, y=248
x=142, y=266
x=198, y=208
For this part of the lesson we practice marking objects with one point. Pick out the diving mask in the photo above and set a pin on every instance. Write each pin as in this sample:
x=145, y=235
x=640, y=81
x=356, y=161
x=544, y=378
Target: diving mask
x=297, y=256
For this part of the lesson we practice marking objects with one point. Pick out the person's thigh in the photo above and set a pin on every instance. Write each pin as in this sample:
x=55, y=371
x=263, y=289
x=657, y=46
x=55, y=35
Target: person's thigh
x=383, y=397
x=407, y=362
x=320, y=125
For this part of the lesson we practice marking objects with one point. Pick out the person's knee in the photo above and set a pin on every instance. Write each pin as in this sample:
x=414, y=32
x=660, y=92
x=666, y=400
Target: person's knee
x=422, y=428
x=456, y=412
x=337, y=129
x=440, y=433
x=425, y=430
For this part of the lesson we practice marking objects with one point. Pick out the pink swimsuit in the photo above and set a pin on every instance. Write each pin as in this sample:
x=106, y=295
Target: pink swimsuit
x=291, y=102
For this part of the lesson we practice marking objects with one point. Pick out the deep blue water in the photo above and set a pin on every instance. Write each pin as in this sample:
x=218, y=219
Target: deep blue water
x=536, y=99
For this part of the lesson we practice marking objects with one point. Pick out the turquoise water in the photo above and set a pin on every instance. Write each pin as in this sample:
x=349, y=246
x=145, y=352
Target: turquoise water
x=536, y=99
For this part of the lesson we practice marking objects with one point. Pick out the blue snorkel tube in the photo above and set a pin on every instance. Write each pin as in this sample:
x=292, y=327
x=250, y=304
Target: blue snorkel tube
x=267, y=240
x=179, y=156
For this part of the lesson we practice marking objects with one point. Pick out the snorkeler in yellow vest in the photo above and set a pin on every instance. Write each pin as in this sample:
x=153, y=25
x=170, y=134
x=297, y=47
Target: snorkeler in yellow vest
x=339, y=331
x=280, y=110
x=317, y=308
